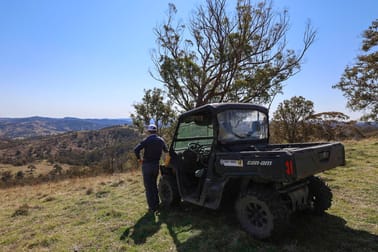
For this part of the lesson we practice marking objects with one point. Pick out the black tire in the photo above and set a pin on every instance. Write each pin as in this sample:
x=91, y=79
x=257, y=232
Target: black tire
x=262, y=213
x=168, y=192
x=320, y=195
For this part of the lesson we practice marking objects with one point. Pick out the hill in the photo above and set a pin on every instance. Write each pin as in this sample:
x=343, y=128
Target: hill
x=20, y=128
x=108, y=213
x=105, y=147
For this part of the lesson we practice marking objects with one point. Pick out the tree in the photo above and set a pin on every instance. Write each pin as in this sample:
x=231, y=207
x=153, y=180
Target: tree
x=359, y=83
x=57, y=169
x=6, y=176
x=329, y=125
x=291, y=118
x=153, y=107
x=31, y=169
x=20, y=175
x=226, y=58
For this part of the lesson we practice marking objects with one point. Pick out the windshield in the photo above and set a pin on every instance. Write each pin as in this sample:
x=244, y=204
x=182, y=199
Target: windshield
x=241, y=124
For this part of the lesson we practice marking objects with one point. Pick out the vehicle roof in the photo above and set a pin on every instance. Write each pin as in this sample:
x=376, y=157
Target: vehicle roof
x=217, y=107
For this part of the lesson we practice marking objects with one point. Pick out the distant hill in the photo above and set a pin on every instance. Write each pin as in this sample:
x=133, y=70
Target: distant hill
x=104, y=148
x=20, y=128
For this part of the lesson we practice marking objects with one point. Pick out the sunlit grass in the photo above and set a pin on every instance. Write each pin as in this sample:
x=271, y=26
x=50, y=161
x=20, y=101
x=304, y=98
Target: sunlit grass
x=41, y=168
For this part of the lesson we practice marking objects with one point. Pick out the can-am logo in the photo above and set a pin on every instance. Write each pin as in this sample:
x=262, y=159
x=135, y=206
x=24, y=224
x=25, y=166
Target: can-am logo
x=262, y=162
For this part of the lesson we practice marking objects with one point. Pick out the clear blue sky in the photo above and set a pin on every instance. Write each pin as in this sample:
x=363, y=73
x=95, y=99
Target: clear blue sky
x=90, y=58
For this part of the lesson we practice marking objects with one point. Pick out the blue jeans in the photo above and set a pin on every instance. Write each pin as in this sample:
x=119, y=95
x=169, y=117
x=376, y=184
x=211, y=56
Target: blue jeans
x=150, y=171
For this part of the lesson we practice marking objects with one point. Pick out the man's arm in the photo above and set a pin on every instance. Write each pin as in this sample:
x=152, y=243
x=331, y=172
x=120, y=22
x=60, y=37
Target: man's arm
x=138, y=148
x=165, y=146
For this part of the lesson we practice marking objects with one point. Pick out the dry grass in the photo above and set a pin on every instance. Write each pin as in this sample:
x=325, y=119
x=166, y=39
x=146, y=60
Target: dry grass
x=108, y=213
x=42, y=168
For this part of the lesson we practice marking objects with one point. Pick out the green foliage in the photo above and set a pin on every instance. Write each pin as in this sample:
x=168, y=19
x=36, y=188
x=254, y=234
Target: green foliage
x=153, y=107
x=295, y=121
x=20, y=175
x=291, y=118
x=217, y=57
x=330, y=126
x=359, y=83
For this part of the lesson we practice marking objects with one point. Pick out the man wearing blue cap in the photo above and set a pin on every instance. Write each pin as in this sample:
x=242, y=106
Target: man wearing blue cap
x=153, y=147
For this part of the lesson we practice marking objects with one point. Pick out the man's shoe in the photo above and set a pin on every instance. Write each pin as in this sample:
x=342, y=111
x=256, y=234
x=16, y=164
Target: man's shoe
x=154, y=211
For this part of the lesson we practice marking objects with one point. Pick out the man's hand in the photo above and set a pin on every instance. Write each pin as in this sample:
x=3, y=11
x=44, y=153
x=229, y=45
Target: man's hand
x=140, y=161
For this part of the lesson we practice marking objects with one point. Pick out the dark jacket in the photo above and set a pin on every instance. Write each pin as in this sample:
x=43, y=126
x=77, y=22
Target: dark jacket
x=153, y=147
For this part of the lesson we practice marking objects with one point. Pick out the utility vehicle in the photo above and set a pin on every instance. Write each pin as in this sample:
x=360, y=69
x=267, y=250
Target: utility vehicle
x=220, y=154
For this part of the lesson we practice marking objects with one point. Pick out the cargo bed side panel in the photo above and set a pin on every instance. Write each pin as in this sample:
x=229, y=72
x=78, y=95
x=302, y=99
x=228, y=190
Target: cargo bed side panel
x=316, y=159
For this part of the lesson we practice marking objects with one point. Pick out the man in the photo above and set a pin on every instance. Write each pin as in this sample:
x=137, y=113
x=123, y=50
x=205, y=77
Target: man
x=153, y=147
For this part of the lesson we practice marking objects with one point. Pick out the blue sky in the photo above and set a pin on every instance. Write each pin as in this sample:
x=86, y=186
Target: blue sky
x=90, y=58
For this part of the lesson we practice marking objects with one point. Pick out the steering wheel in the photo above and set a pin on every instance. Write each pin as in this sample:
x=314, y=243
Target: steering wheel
x=196, y=147
x=201, y=152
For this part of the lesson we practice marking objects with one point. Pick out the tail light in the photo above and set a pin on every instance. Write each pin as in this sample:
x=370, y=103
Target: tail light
x=289, y=170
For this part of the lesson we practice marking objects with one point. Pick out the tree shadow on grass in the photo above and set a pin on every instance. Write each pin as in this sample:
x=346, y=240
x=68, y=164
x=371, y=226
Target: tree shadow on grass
x=198, y=229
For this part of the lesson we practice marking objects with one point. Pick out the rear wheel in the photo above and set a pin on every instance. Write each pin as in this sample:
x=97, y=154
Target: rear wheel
x=261, y=212
x=168, y=192
x=320, y=195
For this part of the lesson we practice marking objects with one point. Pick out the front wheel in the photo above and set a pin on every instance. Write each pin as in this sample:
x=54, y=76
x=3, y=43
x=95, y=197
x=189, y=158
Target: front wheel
x=168, y=192
x=261, y=212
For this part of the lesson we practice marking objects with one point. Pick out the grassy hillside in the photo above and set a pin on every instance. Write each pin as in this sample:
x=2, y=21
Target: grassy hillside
x=108, y=213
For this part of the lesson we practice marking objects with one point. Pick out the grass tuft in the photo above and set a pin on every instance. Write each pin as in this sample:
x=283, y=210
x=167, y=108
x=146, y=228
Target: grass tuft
x=48, y=199
x=22, y=211
x=89, y=191
x=117, y=183
x=102, y=194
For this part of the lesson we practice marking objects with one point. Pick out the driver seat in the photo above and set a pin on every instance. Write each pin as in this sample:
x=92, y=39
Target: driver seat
x=190, y=165
x=190, y=161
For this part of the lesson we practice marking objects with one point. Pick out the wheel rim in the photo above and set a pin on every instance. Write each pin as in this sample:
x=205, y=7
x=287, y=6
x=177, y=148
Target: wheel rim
x=261, y=214
x=257, y=215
